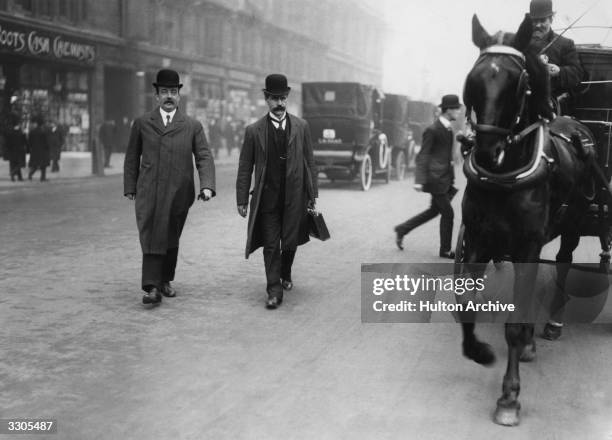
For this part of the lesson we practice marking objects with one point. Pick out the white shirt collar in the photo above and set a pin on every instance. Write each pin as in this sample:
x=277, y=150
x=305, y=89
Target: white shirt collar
x=276, y=121
x=165, y=113
x=445, y=122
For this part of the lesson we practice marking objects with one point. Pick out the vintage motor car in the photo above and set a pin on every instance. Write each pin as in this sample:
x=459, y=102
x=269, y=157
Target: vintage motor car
x=345, y=121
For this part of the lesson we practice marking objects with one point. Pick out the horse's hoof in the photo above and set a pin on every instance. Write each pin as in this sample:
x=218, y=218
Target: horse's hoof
x=551, y=332
x=529, y=352
x=479, y=352
x=507, y=415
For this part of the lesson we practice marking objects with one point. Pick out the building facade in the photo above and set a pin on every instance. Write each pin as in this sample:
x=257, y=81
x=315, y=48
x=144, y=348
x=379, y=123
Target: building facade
x=81, y=62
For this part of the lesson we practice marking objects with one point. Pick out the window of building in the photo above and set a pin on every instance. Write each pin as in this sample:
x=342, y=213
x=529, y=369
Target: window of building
x=71, y=10
x=23, y=5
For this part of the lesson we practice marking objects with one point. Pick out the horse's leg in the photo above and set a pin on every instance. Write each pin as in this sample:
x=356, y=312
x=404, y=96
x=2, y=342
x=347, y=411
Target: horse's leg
x=552, y=329
x=475, y=264
x=519, y=335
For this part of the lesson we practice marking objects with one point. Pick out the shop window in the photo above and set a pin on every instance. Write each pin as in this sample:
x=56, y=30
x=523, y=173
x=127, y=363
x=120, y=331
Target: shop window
x=23, y=5
x=3, y=5
x=71, y=10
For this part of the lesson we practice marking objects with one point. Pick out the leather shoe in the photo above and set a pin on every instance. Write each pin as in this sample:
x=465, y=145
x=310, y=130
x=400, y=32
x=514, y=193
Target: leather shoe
x=153, y=297
x=273, y=302
x=167, y=290
x=447, y=254
x=398, y=239
x=287, y=284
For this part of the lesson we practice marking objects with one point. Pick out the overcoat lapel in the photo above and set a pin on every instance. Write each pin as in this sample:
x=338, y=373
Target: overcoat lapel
x=177, y=122
x=262, y=133
x=156, y=121
x=292, y=129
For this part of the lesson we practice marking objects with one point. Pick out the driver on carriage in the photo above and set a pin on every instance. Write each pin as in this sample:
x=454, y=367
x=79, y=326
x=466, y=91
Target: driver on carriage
x=558, y=53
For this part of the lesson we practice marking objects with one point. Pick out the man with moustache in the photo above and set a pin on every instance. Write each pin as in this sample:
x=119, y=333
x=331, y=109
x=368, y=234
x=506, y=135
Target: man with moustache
x=279, y=149
x=435, y=174
x=560, y=57
x=158, y=175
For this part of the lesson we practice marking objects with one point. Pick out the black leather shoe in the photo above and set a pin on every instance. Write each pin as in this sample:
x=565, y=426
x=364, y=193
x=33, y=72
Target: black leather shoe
x=398, y=239
x=287, y=284
x=153, y=297
x=447, y=254
x=167, y=290
x=273, y=302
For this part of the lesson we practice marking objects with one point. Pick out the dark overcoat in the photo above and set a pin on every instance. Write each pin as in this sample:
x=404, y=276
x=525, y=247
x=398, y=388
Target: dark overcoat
x=39, y=148
x=55, y=141
x=562, y=53
x=434, y=167
x=158, y=168
x=16, y=145
x=300, y=181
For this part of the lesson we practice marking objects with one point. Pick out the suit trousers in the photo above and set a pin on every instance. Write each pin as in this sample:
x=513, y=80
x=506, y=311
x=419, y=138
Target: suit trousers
x=158, y=269
x=277, y=263
x=440, y=204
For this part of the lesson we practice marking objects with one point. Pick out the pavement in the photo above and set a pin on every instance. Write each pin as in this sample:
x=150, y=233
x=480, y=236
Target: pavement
x=77, y=345
x=77, y=165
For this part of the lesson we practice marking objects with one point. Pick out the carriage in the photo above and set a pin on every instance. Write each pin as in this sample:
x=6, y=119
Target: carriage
x=345, y=121
x=531, y=177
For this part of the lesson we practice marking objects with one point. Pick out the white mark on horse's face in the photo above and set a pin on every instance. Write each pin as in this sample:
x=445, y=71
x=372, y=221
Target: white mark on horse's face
x=495, y=67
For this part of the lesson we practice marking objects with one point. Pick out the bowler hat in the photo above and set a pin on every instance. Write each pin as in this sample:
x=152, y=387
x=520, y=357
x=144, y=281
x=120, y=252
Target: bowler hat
x=450, y=101
x=276, y=84
x=167, y=78
x=539, y=9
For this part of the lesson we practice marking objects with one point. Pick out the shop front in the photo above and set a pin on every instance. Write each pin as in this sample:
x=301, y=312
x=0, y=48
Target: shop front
x=46, y=75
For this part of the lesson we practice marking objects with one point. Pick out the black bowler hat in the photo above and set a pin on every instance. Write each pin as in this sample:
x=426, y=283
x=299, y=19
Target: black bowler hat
x=167, y=78
x=276, y=84
x=539, y=9
x=449, y=101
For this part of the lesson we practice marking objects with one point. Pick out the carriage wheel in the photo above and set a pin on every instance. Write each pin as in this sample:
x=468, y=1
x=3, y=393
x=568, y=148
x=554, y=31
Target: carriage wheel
x=366, y=172
x=400, y=166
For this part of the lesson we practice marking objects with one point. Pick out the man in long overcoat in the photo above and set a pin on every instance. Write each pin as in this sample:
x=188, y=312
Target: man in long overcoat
x=39, y=149
x=435, y=174
x=279, y=149
x=16, y=146
x=158, y=174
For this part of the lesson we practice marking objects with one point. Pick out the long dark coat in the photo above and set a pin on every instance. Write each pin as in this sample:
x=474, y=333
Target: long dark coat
x=55, y=141
x=16, y=145
x=562, y=53
x=39, y=148
x=434, y=168
x=298, y=187
x=158, y=168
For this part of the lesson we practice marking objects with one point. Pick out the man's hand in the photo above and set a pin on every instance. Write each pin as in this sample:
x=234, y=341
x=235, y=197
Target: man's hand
x=205, y=194
x=242, y=210
x=131, y=196
x=418, y=187
x=553, y=69
x=312, y=204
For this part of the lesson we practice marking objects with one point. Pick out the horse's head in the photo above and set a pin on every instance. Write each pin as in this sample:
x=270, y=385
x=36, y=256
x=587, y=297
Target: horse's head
x=502, y=89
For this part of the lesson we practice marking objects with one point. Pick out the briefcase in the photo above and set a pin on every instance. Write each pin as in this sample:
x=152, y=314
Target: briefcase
x=316, y=225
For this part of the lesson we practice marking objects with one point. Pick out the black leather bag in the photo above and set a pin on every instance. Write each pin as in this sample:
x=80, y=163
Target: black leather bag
x=316, y=225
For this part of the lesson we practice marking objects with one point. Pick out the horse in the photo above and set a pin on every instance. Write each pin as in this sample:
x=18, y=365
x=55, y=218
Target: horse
x=528, y=178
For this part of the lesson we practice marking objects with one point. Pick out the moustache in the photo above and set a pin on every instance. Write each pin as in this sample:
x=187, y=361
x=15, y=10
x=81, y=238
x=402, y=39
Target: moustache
x=279, y=107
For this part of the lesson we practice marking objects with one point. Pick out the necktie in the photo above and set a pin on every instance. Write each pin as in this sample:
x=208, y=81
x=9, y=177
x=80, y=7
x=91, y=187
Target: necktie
x=167, y=120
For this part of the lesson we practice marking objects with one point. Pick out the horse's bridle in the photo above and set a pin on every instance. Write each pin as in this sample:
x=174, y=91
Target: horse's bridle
x=523, y=92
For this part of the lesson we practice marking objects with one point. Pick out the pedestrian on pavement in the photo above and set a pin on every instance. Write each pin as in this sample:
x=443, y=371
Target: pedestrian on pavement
x=435, y=174
x=39, y=149
x=279, y=148
x=108, y=137
x=16, y=145
x=158, y=174
x=55, y=139
x=123, y=134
